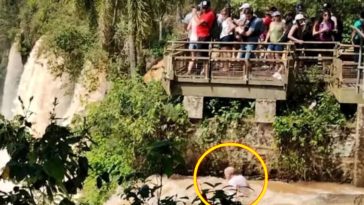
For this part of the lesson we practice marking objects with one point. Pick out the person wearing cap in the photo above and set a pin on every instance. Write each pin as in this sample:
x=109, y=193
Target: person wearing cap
x=250, y=33
x=267, y=20
x=241, y=22
x=205, y=23
x=274, y=36
x=299, y=8
x=296, y=32
x=243, y=9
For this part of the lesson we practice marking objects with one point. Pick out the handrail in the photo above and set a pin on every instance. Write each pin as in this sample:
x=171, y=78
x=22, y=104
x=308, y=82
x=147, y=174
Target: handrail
x=226, y=43
x=213, y=61
x=222, y=51
x=257, y=43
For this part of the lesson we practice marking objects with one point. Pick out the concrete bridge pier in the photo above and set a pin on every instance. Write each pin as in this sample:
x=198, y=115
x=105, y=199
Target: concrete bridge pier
x=194, y=106
x=358, y=175
x=265, y=110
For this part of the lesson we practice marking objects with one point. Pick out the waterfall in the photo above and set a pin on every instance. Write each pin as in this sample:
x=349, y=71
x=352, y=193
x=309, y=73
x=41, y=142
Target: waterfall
x=38, y=83
x=13, y=73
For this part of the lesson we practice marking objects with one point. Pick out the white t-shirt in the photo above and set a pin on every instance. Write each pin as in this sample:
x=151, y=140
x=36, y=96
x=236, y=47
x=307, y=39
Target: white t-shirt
x=225, y=29
x=238, y=181
x=193, y=32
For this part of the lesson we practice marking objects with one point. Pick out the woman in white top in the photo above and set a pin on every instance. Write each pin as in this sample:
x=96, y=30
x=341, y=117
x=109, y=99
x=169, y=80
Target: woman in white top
x=226, y=35
x=193, y=38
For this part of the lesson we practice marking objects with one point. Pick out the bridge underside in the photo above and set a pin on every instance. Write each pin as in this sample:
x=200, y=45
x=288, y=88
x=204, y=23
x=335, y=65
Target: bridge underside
x=219, y=89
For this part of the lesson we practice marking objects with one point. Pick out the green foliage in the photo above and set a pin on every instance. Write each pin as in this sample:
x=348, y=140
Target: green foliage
x=72, y=43
x=303, y=135
x=226, y=114
x=229, y=121
x=128, y=123
x=53, y=166
x=146, y=193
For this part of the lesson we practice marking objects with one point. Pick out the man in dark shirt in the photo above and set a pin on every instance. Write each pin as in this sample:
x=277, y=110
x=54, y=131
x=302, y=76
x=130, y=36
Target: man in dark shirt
x=251, y=34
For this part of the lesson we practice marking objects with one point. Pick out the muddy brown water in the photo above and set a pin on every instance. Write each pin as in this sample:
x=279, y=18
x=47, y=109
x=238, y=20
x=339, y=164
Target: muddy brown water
x=278, y=193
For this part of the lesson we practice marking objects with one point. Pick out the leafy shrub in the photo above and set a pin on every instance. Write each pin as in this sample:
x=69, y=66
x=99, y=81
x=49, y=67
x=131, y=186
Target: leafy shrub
x=228, y=122
x=147, y=192
x=131, y=118
x=304, y=140
x=72, y=43
x=45, y=169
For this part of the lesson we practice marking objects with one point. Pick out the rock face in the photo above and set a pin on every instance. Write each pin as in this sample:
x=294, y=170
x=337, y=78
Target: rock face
x=38, y=88
x=260, y=137
x=82, y=95
x=155, y=73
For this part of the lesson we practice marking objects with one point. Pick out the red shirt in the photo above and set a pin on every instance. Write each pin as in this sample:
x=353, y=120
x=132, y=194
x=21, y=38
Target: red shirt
x=204, y=29
x=266, y=21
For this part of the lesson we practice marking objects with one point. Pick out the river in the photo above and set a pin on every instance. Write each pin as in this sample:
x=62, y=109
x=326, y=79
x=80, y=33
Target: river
x=278, y=193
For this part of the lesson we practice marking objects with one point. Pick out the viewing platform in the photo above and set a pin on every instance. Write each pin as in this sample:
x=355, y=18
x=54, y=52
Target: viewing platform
x=226, y=76
x=218, y=72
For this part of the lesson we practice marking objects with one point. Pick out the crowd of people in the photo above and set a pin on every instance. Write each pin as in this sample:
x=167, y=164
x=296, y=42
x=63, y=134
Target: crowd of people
x=273, y=29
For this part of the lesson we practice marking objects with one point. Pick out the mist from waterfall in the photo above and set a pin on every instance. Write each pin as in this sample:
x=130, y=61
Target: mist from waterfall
x=35, y=81
x=14, y=70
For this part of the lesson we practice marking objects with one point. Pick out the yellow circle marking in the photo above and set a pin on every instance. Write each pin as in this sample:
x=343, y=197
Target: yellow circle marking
x=195, y=172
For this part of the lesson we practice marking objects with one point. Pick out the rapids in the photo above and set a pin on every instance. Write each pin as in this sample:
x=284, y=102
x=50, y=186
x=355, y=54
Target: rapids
x=278, y=193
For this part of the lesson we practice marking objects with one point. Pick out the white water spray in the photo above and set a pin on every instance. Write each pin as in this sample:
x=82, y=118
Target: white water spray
x=13, y=73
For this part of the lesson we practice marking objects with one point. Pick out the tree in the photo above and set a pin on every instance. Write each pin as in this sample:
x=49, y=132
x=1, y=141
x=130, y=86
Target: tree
x=45, y=169
x=161, y=8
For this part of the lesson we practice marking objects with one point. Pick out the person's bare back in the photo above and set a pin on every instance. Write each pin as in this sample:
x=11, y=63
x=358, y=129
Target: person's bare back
x=237, y=181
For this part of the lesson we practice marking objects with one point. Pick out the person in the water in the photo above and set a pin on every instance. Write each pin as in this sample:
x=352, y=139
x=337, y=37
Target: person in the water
x=237, y=181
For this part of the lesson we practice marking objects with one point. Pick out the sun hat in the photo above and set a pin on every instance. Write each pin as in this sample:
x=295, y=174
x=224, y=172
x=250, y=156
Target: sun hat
x=245, y=6
x=276, y=13
x=299, y=17
x=205, y=4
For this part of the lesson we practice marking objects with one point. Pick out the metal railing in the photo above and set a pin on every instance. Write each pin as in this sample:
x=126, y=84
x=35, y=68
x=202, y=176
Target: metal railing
x=223, y=61
x=226, y=60
x=360, y=68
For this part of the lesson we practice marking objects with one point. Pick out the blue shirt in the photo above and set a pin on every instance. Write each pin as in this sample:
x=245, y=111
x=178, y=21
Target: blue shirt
x=359, y=24
x=256, y=27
